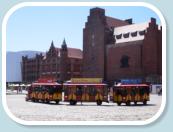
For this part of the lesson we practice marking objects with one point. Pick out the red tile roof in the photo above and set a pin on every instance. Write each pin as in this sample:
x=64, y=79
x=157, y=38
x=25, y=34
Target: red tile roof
x=73, y=53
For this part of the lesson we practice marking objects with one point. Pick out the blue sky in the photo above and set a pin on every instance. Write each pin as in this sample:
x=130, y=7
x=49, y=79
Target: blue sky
x=33, y=28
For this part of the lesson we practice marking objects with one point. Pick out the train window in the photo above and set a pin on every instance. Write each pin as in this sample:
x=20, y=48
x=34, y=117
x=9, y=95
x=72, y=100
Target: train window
x=66, y=90
x=51, y=90
x=47, y=89
x=87, y=90
x=59, y=89
x=141, y=91
x=118, y=91
x=92, y=91
x=146, y=90
x=105, y=90
x=39, y=89
x=133, y=92
x=36, y=89
x=79, y=90
x=128, y=90
x=124, y=92
x=72, y=89
x=99, y=90
x=43, y=89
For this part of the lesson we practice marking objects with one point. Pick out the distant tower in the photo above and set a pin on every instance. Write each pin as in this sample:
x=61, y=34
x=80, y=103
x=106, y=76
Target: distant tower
x=63, y=61
x=52, y=50
x=52, y=45
x=94, y=44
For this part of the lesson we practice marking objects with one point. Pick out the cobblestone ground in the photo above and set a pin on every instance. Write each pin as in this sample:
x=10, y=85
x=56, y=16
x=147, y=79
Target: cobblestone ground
x=87, y=111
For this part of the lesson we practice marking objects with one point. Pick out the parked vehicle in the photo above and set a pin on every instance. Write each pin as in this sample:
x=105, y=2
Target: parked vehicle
x=128, y=93
x=45, y=92
x=85, y=92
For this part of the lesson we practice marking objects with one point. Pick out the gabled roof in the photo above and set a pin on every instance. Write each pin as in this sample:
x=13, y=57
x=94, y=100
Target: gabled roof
x=113, y=22
x=72, y=53
x=75, y=53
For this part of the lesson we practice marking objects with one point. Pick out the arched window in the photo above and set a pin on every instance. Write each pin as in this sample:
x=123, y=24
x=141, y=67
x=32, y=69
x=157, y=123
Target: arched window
x=124, y=61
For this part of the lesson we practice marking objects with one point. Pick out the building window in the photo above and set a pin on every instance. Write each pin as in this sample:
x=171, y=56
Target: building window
x=126, y=35
x=134, y=34
x=142, y=32
x=124, y=61
x=93, y=38
x=118, y=36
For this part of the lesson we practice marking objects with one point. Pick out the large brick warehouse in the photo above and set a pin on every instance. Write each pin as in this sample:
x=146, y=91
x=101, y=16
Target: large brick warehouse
x=114, y=49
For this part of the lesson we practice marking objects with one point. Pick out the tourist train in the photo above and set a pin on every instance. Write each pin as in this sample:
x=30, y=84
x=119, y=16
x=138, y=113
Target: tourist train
x=87, y=90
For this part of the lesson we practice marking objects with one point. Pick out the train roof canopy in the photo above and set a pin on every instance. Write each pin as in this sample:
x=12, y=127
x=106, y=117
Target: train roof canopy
x=84, y=84
x=46, y=84
x=131, y=85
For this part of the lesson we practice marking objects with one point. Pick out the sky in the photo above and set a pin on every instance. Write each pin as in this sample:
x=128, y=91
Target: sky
x=34, y=28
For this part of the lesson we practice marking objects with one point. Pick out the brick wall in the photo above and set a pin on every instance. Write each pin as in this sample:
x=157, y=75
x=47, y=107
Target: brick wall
x=114, y=56
x=152, y=50
x=94, y=44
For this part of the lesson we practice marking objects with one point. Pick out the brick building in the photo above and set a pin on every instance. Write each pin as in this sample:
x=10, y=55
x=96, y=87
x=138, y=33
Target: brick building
x=113, y=49
x=58, y=63
x=116, y=49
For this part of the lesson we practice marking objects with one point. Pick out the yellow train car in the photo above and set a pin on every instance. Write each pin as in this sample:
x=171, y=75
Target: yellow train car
x=45, y=92
x=128, y=93
x=85, y=92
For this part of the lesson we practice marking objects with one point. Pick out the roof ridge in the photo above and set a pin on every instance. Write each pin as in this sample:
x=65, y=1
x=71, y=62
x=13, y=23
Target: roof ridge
x=114, y=22
x=116, y=19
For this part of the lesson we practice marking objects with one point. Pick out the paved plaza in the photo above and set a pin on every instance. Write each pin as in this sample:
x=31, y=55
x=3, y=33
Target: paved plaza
x=31, y=111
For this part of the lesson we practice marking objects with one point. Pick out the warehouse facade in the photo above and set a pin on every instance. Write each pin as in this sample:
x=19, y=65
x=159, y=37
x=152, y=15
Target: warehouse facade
x=116, y=49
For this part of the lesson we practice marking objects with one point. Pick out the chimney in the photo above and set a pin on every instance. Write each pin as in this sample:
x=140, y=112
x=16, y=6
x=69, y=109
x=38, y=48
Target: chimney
x=153, y=20
x=97, y=11
x=130, y=21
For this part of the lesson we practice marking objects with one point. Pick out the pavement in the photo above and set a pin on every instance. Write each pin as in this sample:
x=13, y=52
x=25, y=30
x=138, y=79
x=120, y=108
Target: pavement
x=88, y=111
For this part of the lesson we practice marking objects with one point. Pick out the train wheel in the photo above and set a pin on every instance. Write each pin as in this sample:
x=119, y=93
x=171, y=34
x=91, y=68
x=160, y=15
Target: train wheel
x=145, y=102
x=47, y=101
x=135, y=102
x=36, y=100
x=119, y=103
x=99, y=102
x=57, y=101
x=75, y=102
x=128, y=103
x=33, y=100
x=26, y=99
x=71, y=102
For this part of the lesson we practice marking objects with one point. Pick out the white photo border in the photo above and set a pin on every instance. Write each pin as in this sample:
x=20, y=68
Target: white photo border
x=123, y=4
